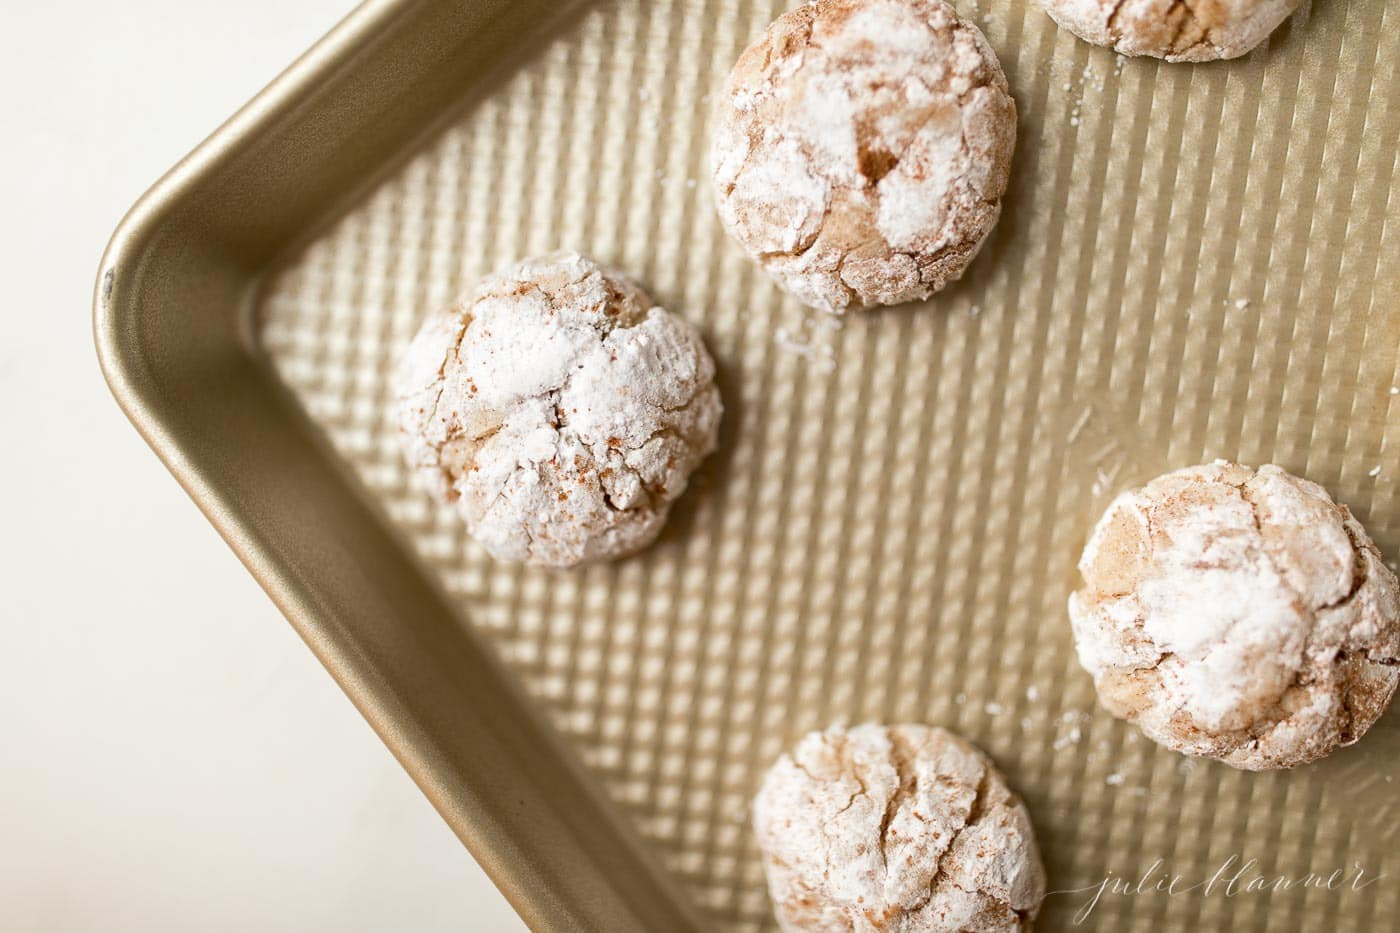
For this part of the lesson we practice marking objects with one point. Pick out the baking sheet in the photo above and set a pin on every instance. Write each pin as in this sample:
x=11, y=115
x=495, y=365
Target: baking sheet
x=1193, y=261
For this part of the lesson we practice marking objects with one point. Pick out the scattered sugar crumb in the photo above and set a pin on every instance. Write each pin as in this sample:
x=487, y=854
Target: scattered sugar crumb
x=1101, y=482
x=993, y=709
x=1242, y=303
x=975, y=310
x=1079, y=425
x=823, y=354
x=1114, y=780
x=1032, y=693
x=1375, y=471
x=1071, y=737
x=1395, y=390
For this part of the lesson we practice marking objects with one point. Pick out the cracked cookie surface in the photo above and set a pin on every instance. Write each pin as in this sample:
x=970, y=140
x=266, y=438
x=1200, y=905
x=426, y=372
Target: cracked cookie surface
x=559, y=409
x=1175, y=30
x=895, y=828
x=1239, y=615
x=861, y=150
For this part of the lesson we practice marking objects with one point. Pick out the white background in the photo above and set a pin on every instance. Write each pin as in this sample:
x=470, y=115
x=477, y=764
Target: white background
x=171, y=755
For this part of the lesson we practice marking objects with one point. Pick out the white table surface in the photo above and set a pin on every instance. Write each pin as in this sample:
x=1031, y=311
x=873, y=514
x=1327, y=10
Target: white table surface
x=171, y=755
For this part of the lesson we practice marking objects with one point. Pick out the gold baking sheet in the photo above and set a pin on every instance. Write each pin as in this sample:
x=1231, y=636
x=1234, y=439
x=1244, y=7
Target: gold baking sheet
x=1193, y=262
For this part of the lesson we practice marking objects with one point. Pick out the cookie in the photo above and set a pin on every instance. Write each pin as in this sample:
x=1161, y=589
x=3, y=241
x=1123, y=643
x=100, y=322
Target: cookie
x=861, y=150
x=1239, y=615
x=559, y=410
x=1202, y=31
x=895, y=828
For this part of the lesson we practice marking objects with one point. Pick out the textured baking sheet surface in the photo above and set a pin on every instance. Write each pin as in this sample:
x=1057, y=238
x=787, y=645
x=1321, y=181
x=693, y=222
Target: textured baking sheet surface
x=1193, y=262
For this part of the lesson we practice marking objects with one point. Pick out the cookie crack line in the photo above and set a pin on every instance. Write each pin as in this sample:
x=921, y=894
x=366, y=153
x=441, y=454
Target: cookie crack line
x=974, y=814
x=1190, y=18
x=1023, y=916
x=1360, y=570
x=1111, y=24
x=843, y=752
x=1299, y=598
x=903, y=789
x=453, y=350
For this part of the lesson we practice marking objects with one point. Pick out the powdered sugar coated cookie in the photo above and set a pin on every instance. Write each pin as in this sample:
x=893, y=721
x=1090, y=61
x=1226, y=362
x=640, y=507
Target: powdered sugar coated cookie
x=559, y=409
x=1240, y=615
x=1200, y=31
x=862, y=148
x=895, y=828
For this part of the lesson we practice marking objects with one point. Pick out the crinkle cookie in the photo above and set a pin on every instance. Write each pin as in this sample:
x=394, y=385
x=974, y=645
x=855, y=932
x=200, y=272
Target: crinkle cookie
x=1200, y=31
x=861, y=150
x=1239, y=615
x=559, y=409
x=895, y=828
